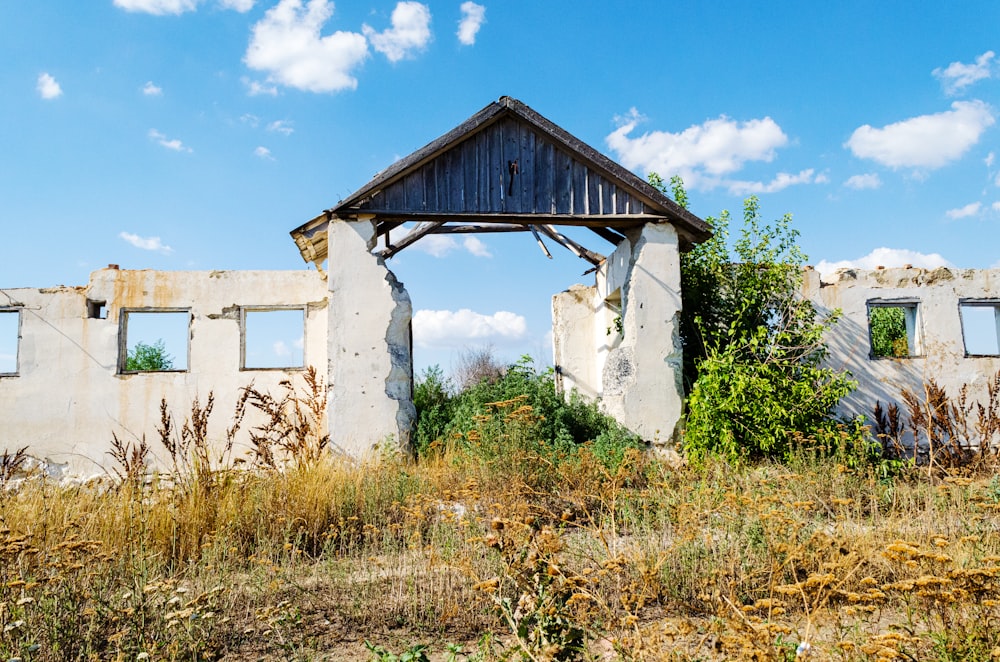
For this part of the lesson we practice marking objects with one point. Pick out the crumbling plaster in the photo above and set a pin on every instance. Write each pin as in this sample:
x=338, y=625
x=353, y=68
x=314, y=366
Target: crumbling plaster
x=627, y=353
x=369, y=344
x=938, y=293
x=68, y=396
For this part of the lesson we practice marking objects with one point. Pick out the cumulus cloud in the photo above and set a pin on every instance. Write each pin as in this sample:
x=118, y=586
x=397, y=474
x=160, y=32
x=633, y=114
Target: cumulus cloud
x=968, y=210
x=264, y=153
x=47, y=86
x=250, y=119
x=242, y=6
x=701, y=154
x=165, y=7
x=280, y=348
x=473, y=17
x=995, y=206
x=410, y=31
x=957, y=76
x=447, y=328
x=146, y=243
x=151, y=90
x=476, y=247
x=868, y=180
x=781, y=181
x=287, y=44
x=170, y=143
x=926, y=141
x=283, y=127
x=886, y=257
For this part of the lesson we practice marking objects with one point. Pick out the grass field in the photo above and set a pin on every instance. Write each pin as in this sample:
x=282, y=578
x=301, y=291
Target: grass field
x=494, y=545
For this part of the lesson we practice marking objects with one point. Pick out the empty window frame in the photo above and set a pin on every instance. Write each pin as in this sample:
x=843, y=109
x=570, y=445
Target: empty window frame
x=273, y=338
x=10, y=335
x=980, y=326
x=894, y=329
x=154, y=340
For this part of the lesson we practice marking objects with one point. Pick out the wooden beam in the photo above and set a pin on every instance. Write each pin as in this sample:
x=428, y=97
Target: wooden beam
x=541, y=244
x=583, y=220
x=411, y=237
x=609, y=235
x=574, y=247
x=470, y=228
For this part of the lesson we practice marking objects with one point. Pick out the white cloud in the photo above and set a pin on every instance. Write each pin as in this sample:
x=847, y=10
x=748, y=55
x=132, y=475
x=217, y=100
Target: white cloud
x=165, y=7
x=264, y=153
x=473, y=17
x=280, y=348
x=256, y=88
x=701, y=154
x=476, y=247
x=958, y=76
x=47, y=86
x=146, y=243
x=151, y=90
x=781, y=181
x=251, y=119
x=242, y=6
x=995, y=206
x=287, y=44
x=446, y=328
x=886, y=257
x=968, y=210
x=926, y=141
x=868, y=180
x=170, y=143
x=410, y=31
x=283, y=127
x=158, y=7
x=990, y=159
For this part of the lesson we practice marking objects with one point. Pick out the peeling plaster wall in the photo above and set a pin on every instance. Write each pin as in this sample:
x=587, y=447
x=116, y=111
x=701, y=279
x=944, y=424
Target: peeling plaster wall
x=68, y=398
x=636, y=373
x=937, y=293
x=371, y=400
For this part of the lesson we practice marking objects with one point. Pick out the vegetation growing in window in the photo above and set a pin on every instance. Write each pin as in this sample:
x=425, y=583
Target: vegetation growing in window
x=149, y=358
x=887, y=325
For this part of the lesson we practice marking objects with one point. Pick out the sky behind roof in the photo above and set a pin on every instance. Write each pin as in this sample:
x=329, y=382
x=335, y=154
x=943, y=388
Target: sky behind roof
x=195, y=134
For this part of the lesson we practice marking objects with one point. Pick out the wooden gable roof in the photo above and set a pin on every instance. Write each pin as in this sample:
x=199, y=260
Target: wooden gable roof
x=506, y=168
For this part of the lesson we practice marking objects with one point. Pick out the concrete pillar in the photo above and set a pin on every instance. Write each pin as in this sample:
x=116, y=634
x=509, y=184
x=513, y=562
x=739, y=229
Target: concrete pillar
x=642, y=376
x=370, y=355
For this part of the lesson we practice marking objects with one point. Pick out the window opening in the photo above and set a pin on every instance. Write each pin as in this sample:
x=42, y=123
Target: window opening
x=155, y=341
x=981, y=327
x=273, y=338
x=96, y=309
x=893, y=329
x=10, y=332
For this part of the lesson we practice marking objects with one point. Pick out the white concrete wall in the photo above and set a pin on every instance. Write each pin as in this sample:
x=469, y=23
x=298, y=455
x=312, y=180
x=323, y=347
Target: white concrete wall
x=938, y=293
x=637, y=373
x=69, y=396
x=370, y=354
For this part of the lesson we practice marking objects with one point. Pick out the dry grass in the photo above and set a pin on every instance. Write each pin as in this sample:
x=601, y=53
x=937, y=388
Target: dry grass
x=519, y=555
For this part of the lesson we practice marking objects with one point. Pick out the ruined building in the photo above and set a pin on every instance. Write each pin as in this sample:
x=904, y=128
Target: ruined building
x=505, y=169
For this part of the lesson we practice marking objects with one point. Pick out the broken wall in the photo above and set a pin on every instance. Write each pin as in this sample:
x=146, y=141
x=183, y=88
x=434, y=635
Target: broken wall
x=70, y=390
x=942, y=336
x=619, y=340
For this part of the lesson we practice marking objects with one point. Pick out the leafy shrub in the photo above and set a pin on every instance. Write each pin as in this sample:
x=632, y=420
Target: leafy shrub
x=754, y=346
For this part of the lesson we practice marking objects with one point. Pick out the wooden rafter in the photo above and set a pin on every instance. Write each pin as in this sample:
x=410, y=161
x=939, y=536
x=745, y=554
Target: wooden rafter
x=541, y=244
x=411, y=237
x=574, y=247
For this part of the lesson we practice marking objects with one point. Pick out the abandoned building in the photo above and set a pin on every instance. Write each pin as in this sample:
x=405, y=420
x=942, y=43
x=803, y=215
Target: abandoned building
x=506, y=169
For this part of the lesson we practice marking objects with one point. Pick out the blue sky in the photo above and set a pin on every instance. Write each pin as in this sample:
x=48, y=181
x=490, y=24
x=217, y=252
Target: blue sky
x=194, y=134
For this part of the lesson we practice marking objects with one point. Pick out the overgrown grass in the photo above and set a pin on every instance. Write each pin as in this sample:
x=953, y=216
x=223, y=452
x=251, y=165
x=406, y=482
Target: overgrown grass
x=499, y=544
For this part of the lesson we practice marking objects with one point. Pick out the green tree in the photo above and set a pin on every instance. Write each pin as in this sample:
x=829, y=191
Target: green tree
x=145, y=357
x=754, y=346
